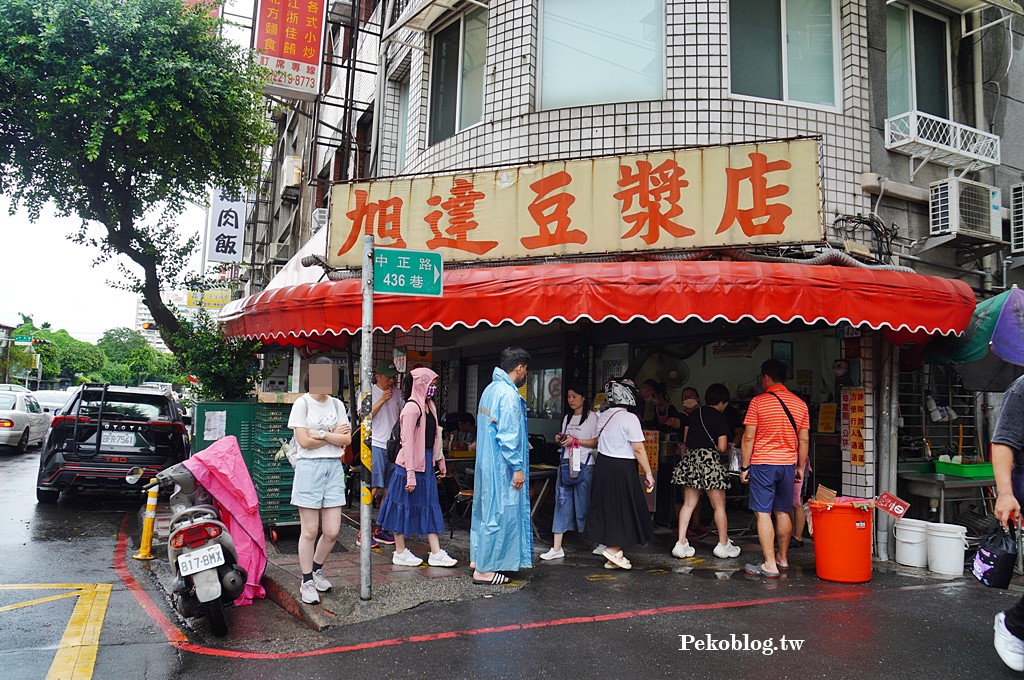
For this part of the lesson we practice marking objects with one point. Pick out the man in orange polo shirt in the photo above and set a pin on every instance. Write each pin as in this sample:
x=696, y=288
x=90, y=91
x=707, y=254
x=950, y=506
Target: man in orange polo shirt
x=774, y=449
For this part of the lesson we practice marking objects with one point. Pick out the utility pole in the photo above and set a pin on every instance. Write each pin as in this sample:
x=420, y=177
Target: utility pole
x=365, y=414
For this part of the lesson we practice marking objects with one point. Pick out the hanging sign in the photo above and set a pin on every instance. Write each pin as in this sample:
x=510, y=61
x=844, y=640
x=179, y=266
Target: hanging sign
x=289, y=39
x=852, y=437
x=226, y=232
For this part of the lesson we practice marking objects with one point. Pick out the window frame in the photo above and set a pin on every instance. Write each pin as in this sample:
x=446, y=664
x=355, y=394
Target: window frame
x=404, y=99
x=837, y=60
x=461, y=18
x=539, y=98
x=910, y=8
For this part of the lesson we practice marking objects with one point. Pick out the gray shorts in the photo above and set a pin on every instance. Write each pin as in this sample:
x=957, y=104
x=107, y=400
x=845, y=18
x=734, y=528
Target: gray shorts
x=381, y=470
x=319, y=483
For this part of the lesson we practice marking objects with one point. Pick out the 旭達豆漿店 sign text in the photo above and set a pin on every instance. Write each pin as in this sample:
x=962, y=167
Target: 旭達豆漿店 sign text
x=743, y=195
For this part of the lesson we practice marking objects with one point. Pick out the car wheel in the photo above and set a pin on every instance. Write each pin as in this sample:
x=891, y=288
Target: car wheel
x=47, y=496
x=23, y=442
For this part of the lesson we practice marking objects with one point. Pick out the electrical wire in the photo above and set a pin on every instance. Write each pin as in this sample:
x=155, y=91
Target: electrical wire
x=849, y=225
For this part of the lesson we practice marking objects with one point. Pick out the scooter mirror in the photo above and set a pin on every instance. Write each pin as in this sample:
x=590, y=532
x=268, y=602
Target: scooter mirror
x=134, y=475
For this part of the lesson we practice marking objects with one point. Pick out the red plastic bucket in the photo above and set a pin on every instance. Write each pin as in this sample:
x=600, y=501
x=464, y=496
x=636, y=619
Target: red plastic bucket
x=842, y=541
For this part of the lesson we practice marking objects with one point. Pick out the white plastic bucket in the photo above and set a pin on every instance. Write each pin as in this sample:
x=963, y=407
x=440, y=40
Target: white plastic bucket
x=946, y=546
x=911, y=542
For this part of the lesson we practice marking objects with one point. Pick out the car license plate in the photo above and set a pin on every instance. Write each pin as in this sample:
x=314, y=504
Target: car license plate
x=117, y=439
x=204, y=558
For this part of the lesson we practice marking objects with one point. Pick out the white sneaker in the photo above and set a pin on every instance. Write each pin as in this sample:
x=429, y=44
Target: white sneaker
x=406, y=559
x=682, y=550
x=553, y=554
x=728, y=550
x=440, y=559
x=599, y=550
x=1009, y=647
x=321, y=583
x=308, y=593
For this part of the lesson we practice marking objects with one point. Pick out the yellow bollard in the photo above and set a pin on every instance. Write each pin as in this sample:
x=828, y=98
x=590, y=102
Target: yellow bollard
x=146, y=549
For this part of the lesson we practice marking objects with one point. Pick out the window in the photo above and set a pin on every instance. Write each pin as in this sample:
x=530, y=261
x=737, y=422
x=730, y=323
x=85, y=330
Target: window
x=783, y=50
x=403, y=123
x=457, y=75
x=601, y=51
x=917, y=62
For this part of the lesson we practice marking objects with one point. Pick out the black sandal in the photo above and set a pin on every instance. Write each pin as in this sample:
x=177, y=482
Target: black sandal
x=498, y=579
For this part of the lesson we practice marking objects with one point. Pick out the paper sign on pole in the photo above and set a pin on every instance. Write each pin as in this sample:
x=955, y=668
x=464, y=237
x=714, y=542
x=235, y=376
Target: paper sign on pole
x=888, y=503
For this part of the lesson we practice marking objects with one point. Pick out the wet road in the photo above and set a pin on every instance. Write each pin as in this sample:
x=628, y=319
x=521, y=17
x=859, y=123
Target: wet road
x=571, y=620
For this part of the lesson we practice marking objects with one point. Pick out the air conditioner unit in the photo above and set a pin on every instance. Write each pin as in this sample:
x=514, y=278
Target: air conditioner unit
x=960, y=206
x=278, y=252
x=1017, y=219
x=291, y=171
x=320, y=217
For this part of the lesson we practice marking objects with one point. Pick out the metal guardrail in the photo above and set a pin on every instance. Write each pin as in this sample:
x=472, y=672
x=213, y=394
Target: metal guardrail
x=932, y=139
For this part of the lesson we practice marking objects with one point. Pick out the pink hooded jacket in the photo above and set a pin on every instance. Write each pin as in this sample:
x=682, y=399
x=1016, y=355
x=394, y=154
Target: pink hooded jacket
x=411, y=455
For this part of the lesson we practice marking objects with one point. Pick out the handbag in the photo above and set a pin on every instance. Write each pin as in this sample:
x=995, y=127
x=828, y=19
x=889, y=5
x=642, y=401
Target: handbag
x=565, y=467
x=996, y=557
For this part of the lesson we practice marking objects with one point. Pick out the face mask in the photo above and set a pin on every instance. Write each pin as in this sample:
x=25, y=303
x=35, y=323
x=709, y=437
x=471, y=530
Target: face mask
x=431, y=391
x=689, y=403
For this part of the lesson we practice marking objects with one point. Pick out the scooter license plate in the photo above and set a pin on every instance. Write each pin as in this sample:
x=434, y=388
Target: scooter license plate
x=207, y=557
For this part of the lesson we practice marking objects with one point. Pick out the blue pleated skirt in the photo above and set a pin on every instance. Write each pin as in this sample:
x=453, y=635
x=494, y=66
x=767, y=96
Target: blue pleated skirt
x=412, y=514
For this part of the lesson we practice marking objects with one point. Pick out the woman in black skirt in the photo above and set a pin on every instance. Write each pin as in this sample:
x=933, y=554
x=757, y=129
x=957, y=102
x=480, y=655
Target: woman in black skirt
x=618, y=510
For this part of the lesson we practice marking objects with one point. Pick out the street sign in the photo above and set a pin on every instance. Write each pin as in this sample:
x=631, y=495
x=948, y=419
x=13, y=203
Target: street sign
x=397, y=271
x=22, y=339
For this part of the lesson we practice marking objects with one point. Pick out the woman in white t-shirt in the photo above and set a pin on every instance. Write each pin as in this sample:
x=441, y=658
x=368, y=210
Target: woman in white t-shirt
x=572, y=502
x=618, y=510
x=321, y=427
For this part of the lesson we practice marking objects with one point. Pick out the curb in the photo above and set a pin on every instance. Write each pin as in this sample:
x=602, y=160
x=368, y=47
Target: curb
x=273, y=579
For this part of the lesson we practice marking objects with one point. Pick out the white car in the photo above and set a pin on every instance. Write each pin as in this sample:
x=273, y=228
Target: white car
x=22, y=420
x=51, y=400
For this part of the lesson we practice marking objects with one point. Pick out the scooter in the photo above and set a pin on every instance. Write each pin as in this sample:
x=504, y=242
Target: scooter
x=200, y=551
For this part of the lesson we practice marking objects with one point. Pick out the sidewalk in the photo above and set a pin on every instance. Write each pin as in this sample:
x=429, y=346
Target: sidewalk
x=395, y=589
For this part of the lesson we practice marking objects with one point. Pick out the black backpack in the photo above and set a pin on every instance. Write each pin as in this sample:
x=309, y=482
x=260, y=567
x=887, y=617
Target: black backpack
x=395, y=441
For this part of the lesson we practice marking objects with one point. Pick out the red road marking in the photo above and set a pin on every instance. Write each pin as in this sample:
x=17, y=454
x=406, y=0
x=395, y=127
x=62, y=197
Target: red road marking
x=179, y=640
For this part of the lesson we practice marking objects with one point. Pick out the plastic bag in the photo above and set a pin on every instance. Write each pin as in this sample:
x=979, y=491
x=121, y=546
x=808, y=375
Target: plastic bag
x=735, y=458
x=289, y=449
x=996, y=557
x=807, y=518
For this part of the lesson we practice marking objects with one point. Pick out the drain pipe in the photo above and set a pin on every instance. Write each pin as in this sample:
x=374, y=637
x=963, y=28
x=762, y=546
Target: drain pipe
x=986, y=277
x=886, y=449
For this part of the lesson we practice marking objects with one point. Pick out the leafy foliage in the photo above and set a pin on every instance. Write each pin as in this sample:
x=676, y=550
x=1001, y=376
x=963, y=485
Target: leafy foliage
x=119, y=110
x=228, y=368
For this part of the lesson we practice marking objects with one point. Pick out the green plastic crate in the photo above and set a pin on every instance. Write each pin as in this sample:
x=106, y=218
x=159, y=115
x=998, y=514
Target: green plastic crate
x=972, y=470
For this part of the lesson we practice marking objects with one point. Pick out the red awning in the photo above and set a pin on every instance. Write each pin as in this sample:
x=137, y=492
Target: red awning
x=622, y=291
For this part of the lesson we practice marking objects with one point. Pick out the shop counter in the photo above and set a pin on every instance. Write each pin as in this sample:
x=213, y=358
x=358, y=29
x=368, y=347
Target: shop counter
x=945, y=488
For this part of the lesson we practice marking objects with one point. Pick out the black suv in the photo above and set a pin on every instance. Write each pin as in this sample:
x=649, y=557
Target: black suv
x=103, y=431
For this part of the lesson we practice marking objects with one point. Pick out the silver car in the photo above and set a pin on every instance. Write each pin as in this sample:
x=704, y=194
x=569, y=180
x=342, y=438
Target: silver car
x=22, y=420
x=51, y=400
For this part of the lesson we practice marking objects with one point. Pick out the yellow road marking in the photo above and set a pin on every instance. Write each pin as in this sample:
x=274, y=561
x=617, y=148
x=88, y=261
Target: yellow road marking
x=41, y=600
x=600, y=577
x=76, y=655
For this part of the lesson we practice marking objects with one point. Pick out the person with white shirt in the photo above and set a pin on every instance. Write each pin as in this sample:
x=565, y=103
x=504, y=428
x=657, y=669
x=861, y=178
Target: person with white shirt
x=572, y=502
x=618, y=513
x=322, y=430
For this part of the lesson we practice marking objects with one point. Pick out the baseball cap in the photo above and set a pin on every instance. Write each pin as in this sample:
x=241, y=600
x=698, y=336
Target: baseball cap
x=386, y=368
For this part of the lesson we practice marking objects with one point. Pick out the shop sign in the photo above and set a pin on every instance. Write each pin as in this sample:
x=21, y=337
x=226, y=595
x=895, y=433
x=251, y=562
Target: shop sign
x=215, y=298
x=226, y=233
x=407, y=272
x=852, y=436
x=739, y=196
x=289, y=39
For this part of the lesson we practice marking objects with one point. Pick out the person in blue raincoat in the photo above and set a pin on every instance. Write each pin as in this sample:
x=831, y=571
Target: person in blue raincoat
x=501, y=538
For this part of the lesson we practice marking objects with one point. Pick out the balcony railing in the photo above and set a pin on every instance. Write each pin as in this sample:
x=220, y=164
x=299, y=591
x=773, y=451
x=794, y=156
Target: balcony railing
x=931, y=139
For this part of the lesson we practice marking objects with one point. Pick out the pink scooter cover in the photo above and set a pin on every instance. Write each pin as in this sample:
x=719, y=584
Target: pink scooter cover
x=222, y=472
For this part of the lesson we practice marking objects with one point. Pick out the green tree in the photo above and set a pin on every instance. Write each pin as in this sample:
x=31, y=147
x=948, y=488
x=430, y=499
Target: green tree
x=126, y=347
x=78, y=358
x=119, y=110
x=229, y=369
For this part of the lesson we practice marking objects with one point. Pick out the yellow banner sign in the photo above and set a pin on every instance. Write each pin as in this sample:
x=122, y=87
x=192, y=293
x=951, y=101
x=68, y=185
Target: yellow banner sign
x=742, y=195
x=215, y=298
x=853, y=414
